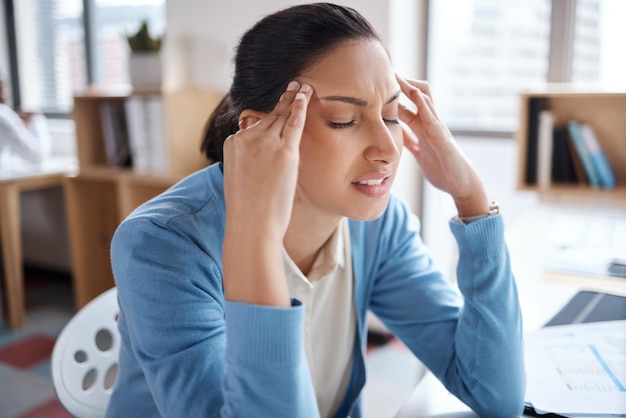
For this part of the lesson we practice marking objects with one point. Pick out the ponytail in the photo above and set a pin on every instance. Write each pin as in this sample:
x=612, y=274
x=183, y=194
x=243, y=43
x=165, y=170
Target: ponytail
x=222, y=123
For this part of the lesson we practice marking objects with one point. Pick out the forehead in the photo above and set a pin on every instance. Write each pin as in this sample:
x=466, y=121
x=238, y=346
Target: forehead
x=358, y=68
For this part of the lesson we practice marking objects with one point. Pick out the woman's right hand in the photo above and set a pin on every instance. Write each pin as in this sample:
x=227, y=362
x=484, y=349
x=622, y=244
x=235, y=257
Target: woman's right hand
x=260, y=175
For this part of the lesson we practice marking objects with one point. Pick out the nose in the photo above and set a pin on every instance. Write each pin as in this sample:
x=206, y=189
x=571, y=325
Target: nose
x=382, y=145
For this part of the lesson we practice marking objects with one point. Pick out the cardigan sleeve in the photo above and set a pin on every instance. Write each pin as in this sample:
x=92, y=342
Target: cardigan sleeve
x=471, y=341
x=200, y=355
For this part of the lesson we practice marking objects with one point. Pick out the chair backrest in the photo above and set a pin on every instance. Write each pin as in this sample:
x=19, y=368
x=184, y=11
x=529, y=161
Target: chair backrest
x=85, y=357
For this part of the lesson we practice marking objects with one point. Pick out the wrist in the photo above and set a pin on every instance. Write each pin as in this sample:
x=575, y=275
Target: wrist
x=253, y=269
x=472, y=206
x=494, y=209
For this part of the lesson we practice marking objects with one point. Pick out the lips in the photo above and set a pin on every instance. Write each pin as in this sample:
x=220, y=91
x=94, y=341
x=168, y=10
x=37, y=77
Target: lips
x=373, y=184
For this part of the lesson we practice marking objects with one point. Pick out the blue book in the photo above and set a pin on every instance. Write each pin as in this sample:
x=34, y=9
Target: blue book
x=598, y=157
x=583, y=152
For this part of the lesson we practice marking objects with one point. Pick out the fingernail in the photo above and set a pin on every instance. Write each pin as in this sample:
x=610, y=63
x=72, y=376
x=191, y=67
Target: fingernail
x=305, y=88
x=292, y=85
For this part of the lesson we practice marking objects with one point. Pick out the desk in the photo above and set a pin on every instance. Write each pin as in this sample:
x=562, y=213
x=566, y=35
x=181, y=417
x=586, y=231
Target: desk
x=540, y=298
x=14, y=181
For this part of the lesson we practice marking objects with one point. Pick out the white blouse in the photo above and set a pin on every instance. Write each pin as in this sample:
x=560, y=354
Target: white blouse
x=330, y=319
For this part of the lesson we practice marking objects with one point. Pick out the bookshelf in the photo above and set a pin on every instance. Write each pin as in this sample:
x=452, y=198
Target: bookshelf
x=605, y=111
x=100, y=196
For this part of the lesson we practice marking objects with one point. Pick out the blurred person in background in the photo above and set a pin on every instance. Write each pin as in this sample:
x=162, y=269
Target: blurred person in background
x=24, y=136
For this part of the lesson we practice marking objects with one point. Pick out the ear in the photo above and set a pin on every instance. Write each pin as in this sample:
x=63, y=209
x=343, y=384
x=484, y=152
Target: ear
x=249, y=117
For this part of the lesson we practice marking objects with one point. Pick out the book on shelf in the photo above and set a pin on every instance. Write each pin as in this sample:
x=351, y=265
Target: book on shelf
x=146, y=130
x=563, y=167
x=606, y=178
x=115, y=133
x=545, y=148
x=578, y=164
x=583, y=152
x=535, y=106
x=155, y=129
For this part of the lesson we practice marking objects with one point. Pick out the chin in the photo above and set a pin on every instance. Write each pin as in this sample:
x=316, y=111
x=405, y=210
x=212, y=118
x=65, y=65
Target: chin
x=369, y=213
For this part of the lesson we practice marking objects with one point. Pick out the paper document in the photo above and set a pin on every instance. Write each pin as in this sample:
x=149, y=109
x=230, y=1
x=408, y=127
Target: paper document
x=588, y=245
x=577, y=369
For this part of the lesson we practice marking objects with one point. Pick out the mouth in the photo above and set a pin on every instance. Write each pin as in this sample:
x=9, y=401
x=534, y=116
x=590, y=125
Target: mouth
x=373, y=178
x=374, y=184
x=371, y=182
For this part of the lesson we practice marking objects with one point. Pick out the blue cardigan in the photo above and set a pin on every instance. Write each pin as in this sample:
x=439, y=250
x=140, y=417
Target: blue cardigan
x=187, y=352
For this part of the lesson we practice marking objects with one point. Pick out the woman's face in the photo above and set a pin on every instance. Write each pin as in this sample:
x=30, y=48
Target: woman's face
x=352, y=140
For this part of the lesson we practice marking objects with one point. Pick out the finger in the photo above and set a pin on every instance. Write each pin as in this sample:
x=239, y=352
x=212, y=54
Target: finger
x=428, y=100
x=406, y=88
x=411, y=87
x=294, y=124
x=411, y=142
x=281, y=107
x=406, y=115
x=413, y=90
x=228, y=156
x=425, y=111
x=282, y=115
x=421, y=85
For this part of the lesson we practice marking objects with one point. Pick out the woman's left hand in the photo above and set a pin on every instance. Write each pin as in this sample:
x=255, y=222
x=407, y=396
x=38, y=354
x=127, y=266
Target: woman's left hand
x=438, y=154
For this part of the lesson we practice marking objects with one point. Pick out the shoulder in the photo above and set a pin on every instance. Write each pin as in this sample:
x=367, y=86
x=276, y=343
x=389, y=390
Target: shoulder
x=192, y=196
x=192, y=209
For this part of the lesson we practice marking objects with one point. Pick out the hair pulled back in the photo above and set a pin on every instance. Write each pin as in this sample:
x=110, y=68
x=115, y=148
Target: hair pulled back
x=276, y=50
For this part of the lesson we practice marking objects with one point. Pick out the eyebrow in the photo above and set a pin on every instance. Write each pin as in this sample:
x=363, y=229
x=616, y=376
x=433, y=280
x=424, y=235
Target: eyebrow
x=356, y=101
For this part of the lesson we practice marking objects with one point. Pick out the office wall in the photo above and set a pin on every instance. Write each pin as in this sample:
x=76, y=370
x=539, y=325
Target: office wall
x=202, y=35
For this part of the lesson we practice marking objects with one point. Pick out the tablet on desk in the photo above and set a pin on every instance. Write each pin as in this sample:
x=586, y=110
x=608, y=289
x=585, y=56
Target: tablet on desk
x=587, y=306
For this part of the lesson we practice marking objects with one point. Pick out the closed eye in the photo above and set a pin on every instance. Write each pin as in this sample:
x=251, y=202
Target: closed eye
x=339, y=125
x=391, y=121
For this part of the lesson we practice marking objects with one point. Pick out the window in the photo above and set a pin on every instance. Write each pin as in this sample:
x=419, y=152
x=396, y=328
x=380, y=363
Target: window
x=480, y=54
x=114, y=19
x=50, y=52
x=53, y=58
x=598, y=49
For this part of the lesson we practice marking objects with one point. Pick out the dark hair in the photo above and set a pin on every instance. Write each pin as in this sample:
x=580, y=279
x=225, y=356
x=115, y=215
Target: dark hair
x=276, y=50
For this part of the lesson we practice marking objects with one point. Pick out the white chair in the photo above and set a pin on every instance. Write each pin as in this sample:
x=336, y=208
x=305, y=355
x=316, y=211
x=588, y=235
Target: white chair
x=85, y=357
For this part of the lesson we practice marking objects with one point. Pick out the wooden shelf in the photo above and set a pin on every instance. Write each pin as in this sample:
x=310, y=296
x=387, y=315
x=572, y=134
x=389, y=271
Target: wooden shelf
x=605, y=111
x=99, y=197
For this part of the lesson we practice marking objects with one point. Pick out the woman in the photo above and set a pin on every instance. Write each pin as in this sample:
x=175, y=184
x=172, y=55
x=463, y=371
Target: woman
x=243, y=289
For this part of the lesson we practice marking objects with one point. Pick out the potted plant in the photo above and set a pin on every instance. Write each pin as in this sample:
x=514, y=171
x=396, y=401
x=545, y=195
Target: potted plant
x=144, y=61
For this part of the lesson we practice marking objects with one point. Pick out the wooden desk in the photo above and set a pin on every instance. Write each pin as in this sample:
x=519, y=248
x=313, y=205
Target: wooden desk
x=540, y=297
x=14, y=181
